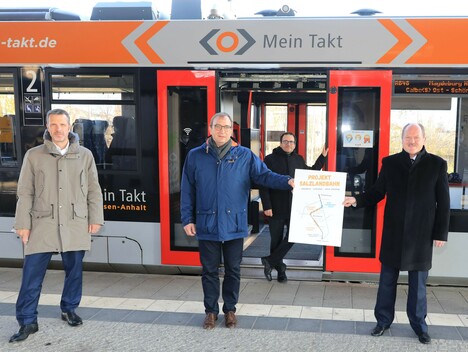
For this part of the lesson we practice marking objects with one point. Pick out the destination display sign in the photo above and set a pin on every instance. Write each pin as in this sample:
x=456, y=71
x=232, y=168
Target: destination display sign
x=418, y=87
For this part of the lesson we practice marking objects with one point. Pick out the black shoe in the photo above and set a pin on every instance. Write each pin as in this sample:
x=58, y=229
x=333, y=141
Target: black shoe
x=72, y=318
x=378, y=330
x=424, y=338
x=24, y=332
x=266, y=268
x=281, y=273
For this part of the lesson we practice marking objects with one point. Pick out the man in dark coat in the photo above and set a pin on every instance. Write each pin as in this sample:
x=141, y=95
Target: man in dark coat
x=277, y=203
x=416, y=218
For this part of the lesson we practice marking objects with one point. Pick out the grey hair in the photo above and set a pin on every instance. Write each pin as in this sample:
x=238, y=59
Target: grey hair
x=219, y=114
x=57, y=112
x=411, y=124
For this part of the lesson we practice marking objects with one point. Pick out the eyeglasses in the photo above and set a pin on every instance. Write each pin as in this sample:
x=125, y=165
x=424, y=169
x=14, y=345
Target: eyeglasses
x=221, y=127
x=285, y=142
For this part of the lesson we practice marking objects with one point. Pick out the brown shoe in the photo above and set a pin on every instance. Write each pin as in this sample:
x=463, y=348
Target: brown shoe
x=230, y=320
x=210, y=320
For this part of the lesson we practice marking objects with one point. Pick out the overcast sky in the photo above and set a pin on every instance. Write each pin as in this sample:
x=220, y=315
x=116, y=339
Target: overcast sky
x=247, y=8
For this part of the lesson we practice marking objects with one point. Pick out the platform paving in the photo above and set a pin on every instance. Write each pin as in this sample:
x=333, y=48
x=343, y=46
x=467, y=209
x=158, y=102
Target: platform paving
x=139, y=312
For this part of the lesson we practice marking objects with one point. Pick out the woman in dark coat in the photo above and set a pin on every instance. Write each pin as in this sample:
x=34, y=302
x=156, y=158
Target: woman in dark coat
x=277, y=203
x=416, y=217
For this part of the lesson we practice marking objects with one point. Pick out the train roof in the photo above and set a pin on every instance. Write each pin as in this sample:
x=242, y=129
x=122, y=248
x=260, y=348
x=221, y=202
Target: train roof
x=180, y=10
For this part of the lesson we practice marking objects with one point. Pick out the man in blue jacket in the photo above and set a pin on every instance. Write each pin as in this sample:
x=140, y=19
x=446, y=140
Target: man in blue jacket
x=216, y=181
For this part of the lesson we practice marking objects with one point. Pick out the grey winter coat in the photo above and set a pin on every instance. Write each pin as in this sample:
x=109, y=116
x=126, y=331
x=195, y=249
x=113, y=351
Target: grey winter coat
x=58, y=197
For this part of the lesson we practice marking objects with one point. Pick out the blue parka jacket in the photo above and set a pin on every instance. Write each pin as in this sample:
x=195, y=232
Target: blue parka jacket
x=214, y=193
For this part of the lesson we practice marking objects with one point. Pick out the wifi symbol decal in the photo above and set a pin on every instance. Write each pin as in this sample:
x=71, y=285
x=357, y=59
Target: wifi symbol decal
x=187, y=130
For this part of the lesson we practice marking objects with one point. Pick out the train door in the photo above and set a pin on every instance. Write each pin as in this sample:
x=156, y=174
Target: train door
x=186, y=101
x=359, y=105
x=303, y=114
x=307, y=122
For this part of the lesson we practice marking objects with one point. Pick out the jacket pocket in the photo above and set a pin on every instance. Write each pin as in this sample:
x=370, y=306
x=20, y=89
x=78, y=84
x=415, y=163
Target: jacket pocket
x=42, y=219
x=40, y=214
x=79, y=211
x=236, y=221
x=39, y=183
x=84, y=183
x=206, y=221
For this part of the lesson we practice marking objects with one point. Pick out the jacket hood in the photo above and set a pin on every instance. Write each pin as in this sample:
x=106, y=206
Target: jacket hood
x=72, y=137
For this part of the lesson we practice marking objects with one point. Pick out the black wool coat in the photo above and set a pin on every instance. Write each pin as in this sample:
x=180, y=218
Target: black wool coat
x=417, y=211
x=285, y=164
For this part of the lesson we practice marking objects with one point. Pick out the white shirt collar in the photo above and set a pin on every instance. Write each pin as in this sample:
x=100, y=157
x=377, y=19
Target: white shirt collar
x=64, y=150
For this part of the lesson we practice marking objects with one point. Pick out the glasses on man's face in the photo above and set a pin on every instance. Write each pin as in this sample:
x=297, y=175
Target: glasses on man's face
x=227, y=128
x=288, y=142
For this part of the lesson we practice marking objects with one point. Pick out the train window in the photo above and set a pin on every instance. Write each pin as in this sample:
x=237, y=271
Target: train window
x=358, y=110
x=92, y=87
x=254, y=117
x=102, y=110
x=8, y=152
x=458, y=180
x=439, y=120
x=276, y=123
x=108, y=131
x=445, y=121
x=316, y=131
x=186, y=112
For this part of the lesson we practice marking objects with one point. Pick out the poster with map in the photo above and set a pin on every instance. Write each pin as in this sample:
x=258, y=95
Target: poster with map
x=317, y=209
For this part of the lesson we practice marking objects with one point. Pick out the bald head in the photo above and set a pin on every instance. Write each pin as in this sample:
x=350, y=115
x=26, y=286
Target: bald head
x=413, y=138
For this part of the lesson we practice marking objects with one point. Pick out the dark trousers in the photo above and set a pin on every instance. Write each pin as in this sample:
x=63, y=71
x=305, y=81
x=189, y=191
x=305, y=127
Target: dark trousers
x=34, y=270
x=210, y=257
x=279, y=245
x=416, y=306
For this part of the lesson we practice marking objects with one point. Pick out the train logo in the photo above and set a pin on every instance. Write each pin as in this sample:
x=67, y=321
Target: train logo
x=227, y=42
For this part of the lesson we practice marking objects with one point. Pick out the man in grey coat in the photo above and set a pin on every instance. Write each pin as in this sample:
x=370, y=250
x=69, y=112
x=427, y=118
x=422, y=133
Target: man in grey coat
x=416, y=218
x=59, y=207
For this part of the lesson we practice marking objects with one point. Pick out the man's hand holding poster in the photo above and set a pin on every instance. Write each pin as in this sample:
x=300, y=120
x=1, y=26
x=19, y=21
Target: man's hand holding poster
x=317, y=209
